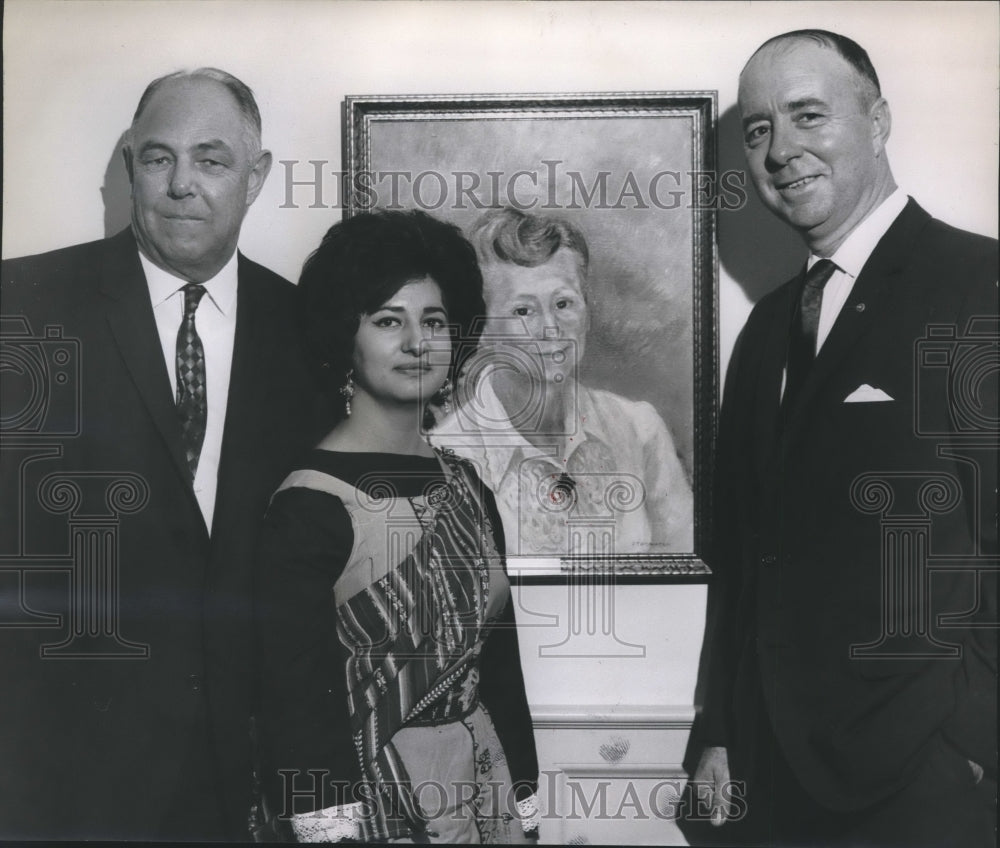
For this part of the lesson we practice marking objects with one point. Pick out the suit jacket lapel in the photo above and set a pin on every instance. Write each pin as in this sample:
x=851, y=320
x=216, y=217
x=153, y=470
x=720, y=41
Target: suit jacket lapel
x=130, y=316
x=867, y=302
x=768, y=421
x=245, y=404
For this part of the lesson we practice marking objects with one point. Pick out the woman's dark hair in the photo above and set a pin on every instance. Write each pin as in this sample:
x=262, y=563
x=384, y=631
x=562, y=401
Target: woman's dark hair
x=363, y=261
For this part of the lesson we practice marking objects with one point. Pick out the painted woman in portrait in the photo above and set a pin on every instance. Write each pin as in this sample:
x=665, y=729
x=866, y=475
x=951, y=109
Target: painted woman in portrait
x=576, y=470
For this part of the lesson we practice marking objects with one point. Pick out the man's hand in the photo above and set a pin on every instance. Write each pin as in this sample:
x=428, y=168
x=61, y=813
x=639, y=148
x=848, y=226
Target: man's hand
x=713, y=773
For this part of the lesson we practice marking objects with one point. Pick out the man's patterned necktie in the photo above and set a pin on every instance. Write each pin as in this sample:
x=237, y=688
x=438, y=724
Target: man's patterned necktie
x=192, y=394
x=805, y=325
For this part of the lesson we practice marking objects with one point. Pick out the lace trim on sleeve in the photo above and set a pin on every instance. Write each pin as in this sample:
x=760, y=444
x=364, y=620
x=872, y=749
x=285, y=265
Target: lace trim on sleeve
x=527, y=809
x=330, y=825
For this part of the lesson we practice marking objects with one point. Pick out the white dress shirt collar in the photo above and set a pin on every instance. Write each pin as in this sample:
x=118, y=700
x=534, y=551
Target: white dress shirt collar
x=852, y=255
x=221, y=289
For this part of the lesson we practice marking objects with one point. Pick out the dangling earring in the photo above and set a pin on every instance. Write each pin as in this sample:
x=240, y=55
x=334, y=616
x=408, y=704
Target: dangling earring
x=445, y=394
x=347, y=390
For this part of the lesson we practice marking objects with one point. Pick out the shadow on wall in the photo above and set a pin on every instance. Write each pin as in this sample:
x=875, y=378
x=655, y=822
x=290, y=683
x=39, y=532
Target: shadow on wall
x=755, y=248
x=116, y=192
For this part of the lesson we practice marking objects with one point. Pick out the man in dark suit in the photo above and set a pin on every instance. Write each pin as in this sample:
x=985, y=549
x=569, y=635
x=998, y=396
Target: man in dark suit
x=851, y=697
x=173, y=401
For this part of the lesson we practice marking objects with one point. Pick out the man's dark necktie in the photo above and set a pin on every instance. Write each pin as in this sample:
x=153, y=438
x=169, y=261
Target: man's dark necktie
x=802, y=334
x=192, y=395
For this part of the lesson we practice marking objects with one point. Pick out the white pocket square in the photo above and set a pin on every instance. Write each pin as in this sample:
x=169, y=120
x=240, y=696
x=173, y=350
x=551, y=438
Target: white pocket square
x=867, y=394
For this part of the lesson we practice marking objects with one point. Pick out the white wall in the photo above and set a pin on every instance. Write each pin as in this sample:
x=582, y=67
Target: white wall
x=73, y=72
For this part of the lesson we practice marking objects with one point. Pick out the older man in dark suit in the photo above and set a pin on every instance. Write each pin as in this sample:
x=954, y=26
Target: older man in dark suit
x=128, y=668
x=852, y=690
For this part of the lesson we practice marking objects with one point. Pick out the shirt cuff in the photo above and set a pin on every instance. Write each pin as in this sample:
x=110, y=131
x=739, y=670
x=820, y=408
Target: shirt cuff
x=334, y=824
x=527, y=809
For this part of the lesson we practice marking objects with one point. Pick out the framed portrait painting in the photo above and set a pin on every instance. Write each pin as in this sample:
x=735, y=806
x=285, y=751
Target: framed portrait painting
x=589, y=403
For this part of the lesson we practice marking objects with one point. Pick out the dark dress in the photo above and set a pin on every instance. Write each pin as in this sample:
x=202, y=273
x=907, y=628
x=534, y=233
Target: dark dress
x=392, y=686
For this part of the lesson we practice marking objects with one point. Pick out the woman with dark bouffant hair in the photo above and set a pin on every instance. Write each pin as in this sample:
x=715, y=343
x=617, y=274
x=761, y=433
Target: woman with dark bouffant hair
x=393, y=704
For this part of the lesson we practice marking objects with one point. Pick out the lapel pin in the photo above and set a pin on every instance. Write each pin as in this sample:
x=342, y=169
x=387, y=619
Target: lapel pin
x=860, y=307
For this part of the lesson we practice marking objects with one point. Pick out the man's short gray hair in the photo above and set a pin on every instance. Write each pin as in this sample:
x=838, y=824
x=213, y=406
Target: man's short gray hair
x=849, y=50
x=239, y=89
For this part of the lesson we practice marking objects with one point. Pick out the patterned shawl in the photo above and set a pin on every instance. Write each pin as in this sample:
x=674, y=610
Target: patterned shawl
x=413, y=635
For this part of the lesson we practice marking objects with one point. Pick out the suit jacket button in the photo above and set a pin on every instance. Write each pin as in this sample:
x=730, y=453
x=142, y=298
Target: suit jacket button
x=768, y=559
x=194, y=681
